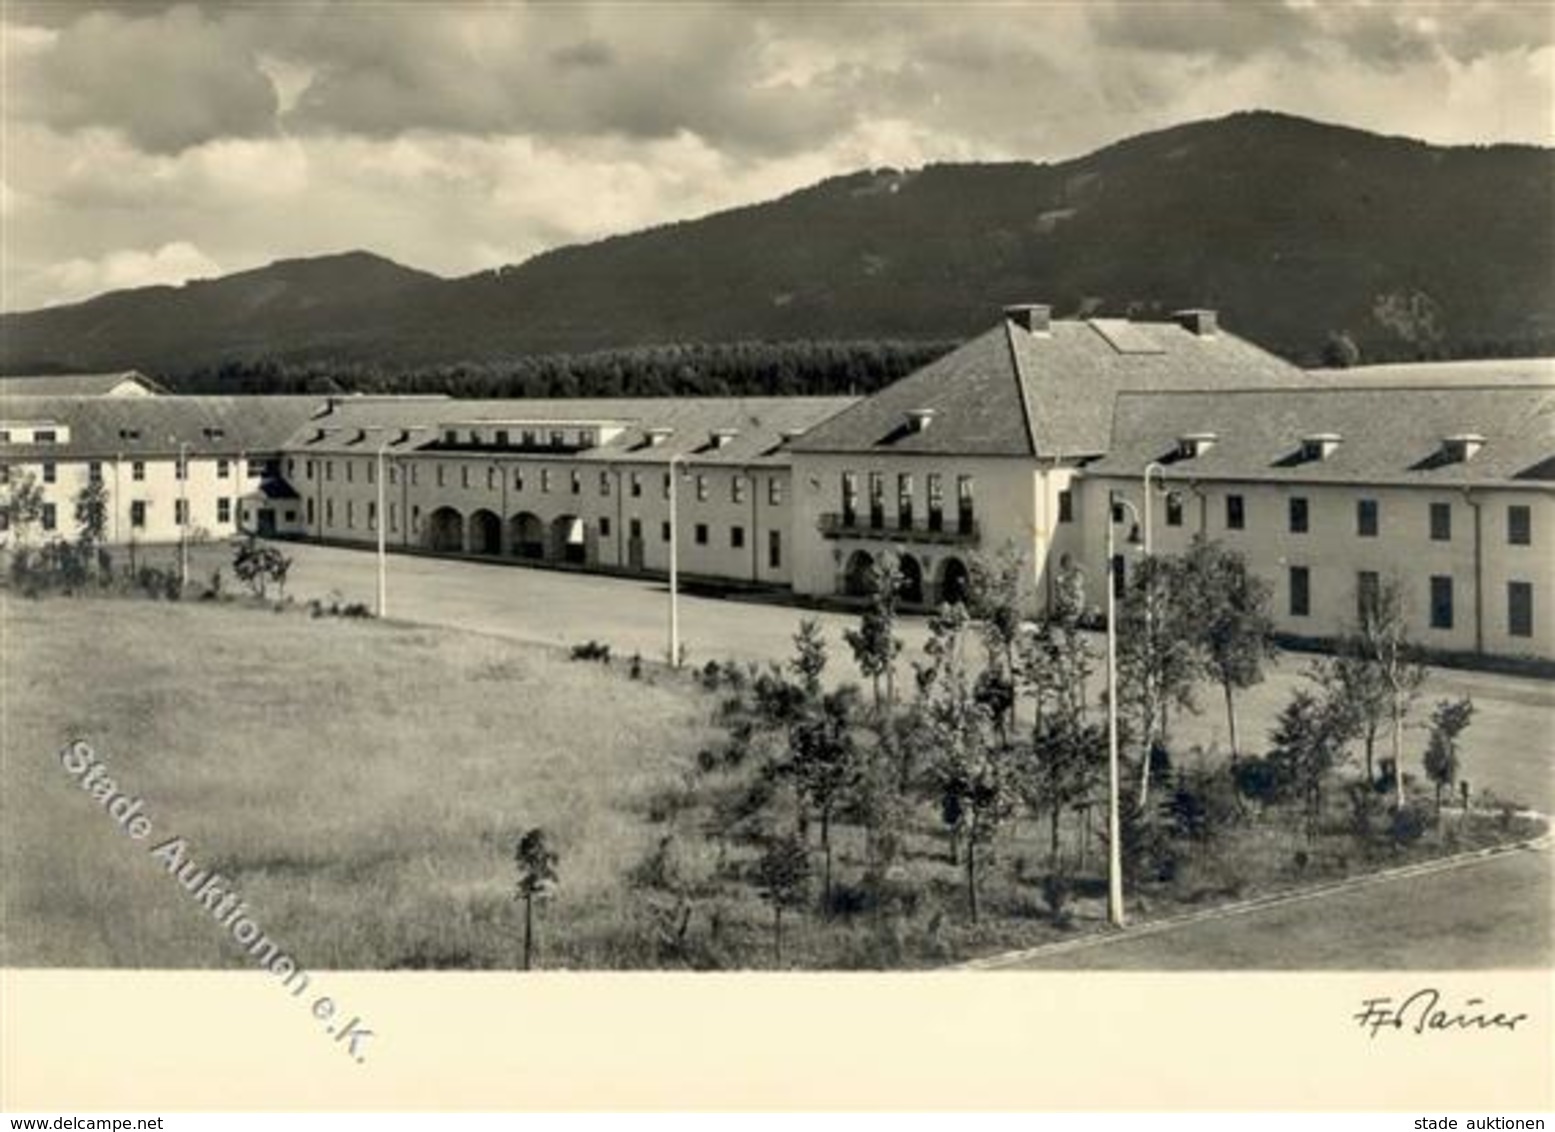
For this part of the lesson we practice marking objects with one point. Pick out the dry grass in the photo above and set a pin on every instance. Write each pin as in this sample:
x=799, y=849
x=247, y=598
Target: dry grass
x=362, y=785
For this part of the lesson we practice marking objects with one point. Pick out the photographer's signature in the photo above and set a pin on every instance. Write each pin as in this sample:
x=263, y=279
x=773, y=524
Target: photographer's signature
x=1426, y=1012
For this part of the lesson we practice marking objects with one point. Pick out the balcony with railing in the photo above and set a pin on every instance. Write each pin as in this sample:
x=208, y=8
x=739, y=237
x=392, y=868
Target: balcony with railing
x=951, y=530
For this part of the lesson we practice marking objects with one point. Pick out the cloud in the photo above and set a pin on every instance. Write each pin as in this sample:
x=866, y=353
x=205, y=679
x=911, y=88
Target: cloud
x=168, y=80
x=131, y=267
x=457, y=136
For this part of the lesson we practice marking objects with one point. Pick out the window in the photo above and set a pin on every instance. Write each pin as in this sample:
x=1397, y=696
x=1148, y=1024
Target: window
x=1366, y=518
x=350, y=471
x=48, y=516
x=138, y=513
x=1065, y=506
x=1441, y=601
x=224, y=510
x=5, y=473
x=774, y=491
x=664, y=531
x=904, y=501
x=48, y=472
x=1367, y=588
x=1236, y=514
x=256, y=469
x=966, y=514
x=667, y=481
x=701, y=488
x=604, y=527
x=44, y=436
x=637, y=485
x=329, y=470
x=491, y=479
x=1519, y=609
x=138, y=471
x=604, y=483
x=180, y=511
x=94, y=471
x=1441, y=522
x=1298, y=515
x=935, y=487
x=329, y=512
x=737, y=488
x=502, y=438
x=308, y=470
x=701, y=534
x=634, y=529
x=464, y=475
x=774, y=549
x=450, y=436
x=310, y=512
x=440, y=475
x=849, y=498
x=394, y=474
x=1300, y=591
x=1173, y=510
x=736, y=537
x=545, y=479
x=372, y=471
x=558, y=438
x=876, y=500
x=350, y=513
x=415, y=475
x=394, y=517
x=1519, y=525
x=576, y=480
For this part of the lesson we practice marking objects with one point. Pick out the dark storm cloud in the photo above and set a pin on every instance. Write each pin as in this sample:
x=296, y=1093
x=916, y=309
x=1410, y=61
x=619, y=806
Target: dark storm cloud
x=168, y=80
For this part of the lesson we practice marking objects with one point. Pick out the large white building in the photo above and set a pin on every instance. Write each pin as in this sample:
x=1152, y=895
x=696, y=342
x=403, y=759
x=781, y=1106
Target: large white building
x=1442, y=476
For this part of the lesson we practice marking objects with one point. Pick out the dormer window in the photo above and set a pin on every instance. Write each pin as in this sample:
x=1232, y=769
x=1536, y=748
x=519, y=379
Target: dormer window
x=1194, y=444
x=721, y=436
x=1319, y=446
x=129, y=434
x=658, y=435
x=44, y=436
x=919, y=419
x=1462, y=447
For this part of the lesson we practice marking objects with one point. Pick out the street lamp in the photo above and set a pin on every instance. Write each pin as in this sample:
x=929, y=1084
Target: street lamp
x=678, y=458
x=1115, y=914
x=183, y=514
x=1154, y=468
x=382, y=521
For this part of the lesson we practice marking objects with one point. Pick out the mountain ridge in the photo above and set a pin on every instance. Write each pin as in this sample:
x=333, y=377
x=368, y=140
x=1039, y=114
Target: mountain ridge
x=1293, y=229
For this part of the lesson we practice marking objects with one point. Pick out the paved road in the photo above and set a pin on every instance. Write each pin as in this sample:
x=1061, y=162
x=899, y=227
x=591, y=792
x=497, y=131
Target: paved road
x=1510, y=746
x=1491, y=914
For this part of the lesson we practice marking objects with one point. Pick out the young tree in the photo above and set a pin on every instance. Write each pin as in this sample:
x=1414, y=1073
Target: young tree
x=1227, y=607
x=1383, y=642
x=23, y=507
x=1159, y=661
x=998, y=598
x=810, y=657
x=91, y=518
x=1449, y=719
x=1353, y=679
x=537, y=879
x=258, y=566
x=1306, y=745
x=874, y=643
x=783, y=881
x=825, y=762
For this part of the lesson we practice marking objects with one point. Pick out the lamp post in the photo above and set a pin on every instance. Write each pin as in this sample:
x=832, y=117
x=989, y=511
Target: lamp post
x=678, y=458
x=383, y=520
x=1115, y=914
x=183, y=514
x=1154, y=468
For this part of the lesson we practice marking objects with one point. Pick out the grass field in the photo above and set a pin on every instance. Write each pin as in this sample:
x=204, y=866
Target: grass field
x=362, y=784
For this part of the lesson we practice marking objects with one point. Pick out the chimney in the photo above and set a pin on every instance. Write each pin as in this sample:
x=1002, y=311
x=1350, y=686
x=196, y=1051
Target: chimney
x=1199, y=323
x=1034, y=318
x=919, y=419
x=1194, y=444
x=1460, y=449
x=1319, y=446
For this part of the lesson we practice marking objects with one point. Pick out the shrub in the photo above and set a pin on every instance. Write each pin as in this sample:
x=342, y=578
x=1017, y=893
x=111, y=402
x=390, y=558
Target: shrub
x=1057, y=892
x=1204, y=803
x=592, y=650
x=1408, y=824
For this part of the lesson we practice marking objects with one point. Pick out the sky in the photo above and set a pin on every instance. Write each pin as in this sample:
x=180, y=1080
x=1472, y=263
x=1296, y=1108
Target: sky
x=146, y=142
